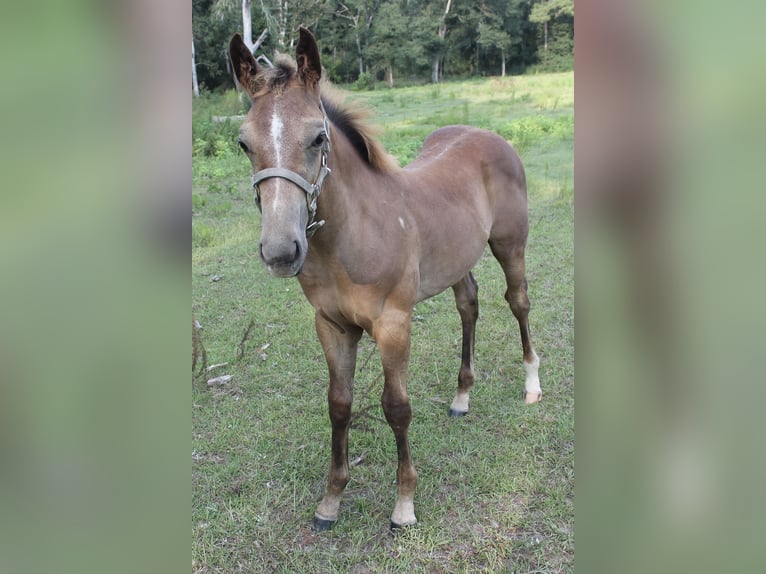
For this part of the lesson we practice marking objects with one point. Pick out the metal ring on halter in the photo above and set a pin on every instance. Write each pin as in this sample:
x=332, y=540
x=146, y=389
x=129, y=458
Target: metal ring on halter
x=312, y=190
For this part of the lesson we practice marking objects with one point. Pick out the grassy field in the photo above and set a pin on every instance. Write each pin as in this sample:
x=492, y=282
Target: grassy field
x=495, y=490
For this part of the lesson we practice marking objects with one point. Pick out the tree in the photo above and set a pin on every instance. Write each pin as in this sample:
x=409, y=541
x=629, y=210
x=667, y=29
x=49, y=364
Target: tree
x=546, y=11
x=283, y=17
x=221, y=8
x=492, y=36
x=402, y=39
x=442, y=33
x=359, y=14
x=211, y=34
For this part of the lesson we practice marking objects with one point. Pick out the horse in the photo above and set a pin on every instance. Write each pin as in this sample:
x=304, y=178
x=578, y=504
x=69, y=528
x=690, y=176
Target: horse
x=367, y=239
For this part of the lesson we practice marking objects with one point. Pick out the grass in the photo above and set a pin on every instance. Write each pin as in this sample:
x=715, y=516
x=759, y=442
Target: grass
x=495, y=490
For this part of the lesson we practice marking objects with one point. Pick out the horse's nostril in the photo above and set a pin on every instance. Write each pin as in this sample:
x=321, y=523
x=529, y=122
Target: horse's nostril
x=280, y=253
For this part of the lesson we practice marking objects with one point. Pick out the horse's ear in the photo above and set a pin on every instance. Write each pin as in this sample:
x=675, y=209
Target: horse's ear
x=307, y=58
x=245, y=66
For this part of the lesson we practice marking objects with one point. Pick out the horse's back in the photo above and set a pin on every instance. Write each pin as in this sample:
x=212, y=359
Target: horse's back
x=467, y=143
x=473, y=158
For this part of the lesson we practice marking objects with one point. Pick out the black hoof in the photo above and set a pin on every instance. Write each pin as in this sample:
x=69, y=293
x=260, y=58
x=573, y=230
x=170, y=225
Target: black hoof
x=453, y=413
x=321, y=525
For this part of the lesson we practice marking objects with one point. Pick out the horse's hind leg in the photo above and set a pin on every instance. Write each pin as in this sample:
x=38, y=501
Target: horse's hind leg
x=467, y=301
x=511, y=257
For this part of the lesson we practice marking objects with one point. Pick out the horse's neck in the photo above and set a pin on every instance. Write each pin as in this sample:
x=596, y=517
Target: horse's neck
x=354, y=194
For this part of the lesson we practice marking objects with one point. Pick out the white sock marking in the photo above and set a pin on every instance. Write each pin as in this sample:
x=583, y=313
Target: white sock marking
x=532, y=382
x=460, y=402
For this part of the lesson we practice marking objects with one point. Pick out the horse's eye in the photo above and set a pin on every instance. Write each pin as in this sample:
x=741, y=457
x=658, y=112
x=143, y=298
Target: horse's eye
x=243, y=146
x=320, y=139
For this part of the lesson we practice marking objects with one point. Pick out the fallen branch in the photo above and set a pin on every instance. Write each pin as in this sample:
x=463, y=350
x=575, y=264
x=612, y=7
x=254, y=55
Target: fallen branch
x=198, y=349
x=245, y=336
x=222, y=380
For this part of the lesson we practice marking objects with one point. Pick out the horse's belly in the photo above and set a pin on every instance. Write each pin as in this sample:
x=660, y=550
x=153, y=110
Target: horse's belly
x=442, y=269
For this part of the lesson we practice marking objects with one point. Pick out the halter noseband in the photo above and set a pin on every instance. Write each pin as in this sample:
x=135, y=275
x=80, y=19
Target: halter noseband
x=312, y=190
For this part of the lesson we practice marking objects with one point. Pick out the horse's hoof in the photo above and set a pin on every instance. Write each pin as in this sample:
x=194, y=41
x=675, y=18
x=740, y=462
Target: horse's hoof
x=531, y=398
x=322, y=525
x=455, y=413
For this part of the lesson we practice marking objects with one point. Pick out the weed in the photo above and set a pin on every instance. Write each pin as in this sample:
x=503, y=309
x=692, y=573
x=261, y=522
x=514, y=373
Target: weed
x=202, y=235
x=198, y=202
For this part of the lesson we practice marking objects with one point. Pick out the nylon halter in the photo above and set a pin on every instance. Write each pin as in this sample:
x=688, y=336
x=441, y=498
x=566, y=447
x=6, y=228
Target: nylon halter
x=312, y=190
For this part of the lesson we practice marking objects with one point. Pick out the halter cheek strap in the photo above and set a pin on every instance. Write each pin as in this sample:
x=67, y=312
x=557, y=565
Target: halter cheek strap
x=312, y=190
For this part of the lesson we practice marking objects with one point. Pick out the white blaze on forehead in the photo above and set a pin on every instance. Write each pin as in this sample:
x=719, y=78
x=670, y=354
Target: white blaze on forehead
x=276, y=133
x=276, y=142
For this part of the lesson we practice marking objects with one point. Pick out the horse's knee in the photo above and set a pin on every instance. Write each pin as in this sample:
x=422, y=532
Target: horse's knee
x=397, y=409
x=340, y=407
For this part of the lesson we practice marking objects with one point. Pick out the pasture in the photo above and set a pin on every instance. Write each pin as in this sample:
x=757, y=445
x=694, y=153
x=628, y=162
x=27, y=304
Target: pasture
x=495, y=490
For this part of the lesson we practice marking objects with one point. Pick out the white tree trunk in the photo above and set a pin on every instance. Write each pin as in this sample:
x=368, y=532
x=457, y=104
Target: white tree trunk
x=502, y=57
x=247, y=25
x=195, y=84
x=359, y=54
x=435, y=73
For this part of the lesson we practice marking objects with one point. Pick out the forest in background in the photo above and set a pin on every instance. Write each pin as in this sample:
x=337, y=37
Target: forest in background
x=396, y=41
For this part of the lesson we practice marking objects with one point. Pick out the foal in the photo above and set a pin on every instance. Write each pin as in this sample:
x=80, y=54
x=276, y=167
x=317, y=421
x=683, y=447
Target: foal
x=367, y=240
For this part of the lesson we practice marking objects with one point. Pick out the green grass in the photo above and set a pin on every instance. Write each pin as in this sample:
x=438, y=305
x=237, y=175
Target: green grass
x=495, y=490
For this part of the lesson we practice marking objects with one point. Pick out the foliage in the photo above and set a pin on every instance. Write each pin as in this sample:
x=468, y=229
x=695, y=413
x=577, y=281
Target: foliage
x=549, y=9
x=365, y=81
x=393, y=40
x=555, y=19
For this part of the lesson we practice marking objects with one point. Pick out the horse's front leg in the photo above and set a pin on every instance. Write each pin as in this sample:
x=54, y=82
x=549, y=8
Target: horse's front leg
x=340, y=351
x=392, y=334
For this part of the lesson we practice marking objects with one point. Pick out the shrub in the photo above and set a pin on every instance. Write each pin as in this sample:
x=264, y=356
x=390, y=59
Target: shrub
x=364, y=82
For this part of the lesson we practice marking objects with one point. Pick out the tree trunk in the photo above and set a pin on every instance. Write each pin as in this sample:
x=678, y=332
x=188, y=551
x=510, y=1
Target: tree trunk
x=390, y=76
x=442, y=34
x=195, y=84
x=359, y=53
x=247, y=25
x=502, y=57
x=260, y=40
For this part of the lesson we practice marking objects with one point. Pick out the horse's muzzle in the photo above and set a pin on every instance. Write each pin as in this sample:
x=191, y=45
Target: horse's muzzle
x=283, y=259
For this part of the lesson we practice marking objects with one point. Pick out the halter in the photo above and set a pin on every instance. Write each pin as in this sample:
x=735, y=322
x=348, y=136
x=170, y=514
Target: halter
x=312, y=190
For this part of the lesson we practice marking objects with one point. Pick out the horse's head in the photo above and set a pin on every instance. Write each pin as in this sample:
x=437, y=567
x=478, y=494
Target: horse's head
x=286, y=137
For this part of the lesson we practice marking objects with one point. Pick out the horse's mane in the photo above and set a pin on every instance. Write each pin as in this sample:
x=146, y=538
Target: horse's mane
x=350, y=119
